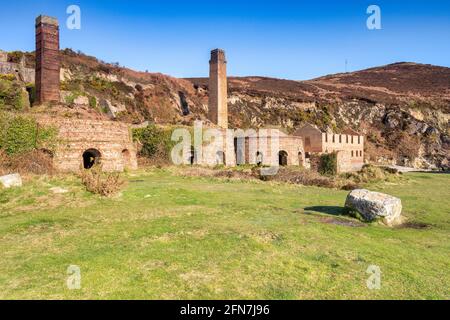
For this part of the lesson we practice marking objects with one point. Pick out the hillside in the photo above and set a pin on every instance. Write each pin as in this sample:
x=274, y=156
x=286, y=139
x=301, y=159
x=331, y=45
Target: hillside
x=402, y=108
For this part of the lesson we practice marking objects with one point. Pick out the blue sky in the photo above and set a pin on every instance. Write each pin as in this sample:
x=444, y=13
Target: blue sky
x=284, y=39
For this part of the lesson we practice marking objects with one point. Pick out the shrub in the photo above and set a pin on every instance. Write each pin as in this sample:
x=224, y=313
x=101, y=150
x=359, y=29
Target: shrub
x=102, y=183
x=328, y=164
x=12, y=94
x=156, y=143
x=31, y=89
x=22, y=134
x=370, y=173
x=15, y=56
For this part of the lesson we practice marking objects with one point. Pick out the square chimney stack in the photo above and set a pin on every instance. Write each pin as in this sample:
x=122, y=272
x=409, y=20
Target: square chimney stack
x=47, y=60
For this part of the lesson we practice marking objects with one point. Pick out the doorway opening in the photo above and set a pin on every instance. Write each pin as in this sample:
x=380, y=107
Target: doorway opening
x=91, y=157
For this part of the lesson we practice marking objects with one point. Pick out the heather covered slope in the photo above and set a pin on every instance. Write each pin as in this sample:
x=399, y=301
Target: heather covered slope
x=403, y=83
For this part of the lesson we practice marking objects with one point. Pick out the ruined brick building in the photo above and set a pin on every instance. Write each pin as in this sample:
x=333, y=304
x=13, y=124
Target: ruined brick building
x=273, y=146
x=82, y=143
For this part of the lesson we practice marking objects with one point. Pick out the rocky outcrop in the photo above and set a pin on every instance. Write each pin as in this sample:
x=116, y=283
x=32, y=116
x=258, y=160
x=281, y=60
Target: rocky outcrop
x=371, y=206
x=112, y=110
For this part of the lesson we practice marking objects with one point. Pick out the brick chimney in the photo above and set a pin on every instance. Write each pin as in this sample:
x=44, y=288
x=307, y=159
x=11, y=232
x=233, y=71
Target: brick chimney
x=47, y=60
x=217, y=105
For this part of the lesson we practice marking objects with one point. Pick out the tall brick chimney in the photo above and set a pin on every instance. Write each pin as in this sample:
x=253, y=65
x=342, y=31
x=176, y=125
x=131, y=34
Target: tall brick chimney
x=217, y=105
x=47, y=60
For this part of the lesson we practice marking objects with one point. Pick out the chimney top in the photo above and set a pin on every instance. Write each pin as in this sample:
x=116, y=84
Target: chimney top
x=42, y=19
x=218, y=55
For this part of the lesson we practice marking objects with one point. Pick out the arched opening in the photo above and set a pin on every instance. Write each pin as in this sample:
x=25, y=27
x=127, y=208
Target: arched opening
x=192, y=156
x=300, y=159
x=220, y=158
x=283, y=158
x=126, y=157
x=91, y=157
x=259, y=159
x=307, y=163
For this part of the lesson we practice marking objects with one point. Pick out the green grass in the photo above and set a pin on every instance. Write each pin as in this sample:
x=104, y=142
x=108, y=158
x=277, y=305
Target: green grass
x=172, y=237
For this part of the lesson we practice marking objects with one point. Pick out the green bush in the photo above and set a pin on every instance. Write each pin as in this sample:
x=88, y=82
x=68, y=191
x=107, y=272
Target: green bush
x=156, y=142
x=15, y=56
x=31, y=89
x=12, y=95
x=21, y=134
x=328, y=164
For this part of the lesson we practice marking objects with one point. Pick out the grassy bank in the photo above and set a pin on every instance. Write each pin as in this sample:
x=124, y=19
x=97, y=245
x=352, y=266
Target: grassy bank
x=172, y=237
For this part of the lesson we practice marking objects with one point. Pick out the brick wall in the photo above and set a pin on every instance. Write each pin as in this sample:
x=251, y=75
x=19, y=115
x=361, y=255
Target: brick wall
x=111, y=139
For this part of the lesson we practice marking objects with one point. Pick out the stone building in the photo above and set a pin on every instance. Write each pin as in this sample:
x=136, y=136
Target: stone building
x=349, y=146
x=236, y=147
x=273, y=147
x=84, y=143
x=81, y=143
x=270, y=146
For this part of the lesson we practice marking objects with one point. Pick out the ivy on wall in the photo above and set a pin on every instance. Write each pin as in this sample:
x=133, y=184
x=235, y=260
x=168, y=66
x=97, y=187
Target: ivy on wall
x=155, y=141
x=21, y=134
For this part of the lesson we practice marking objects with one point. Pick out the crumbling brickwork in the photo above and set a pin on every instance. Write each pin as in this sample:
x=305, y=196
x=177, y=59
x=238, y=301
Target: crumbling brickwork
x=47, y=60
x=349, y=145
x=217, y=105
x=109, y=141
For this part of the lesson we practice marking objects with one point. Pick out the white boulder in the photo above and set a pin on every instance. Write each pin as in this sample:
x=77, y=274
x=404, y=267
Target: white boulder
x=374, y=205
x=12, y=180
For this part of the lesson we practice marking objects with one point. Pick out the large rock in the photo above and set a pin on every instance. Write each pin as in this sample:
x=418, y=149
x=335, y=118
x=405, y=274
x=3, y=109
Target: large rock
x=374, y=205
x=12, y=180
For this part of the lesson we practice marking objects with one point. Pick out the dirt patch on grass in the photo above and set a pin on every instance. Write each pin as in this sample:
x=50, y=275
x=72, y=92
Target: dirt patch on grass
x=415, y=225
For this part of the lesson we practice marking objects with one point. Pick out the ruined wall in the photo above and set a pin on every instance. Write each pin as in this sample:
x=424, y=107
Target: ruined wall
x=312, y=138
x=218, y=91
x=47, y=60
x=111, y=139
x=350, y=149
x=266, y=146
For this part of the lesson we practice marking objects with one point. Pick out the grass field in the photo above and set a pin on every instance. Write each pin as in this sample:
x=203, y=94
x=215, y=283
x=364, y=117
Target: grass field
x=172, y=237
